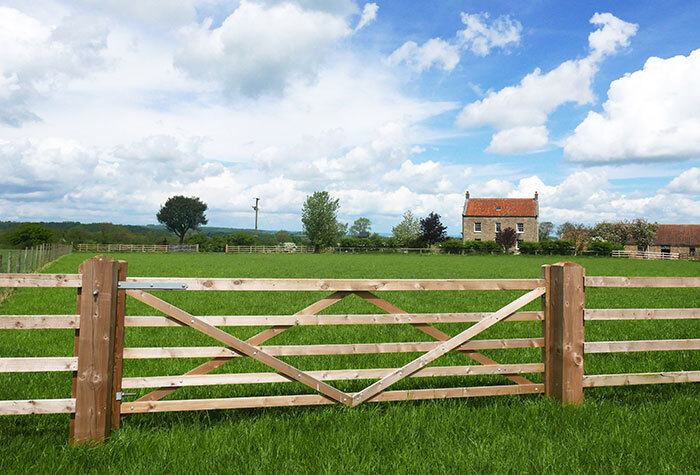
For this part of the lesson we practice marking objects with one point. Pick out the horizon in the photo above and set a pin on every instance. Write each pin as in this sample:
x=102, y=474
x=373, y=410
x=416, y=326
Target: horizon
x=109, y=108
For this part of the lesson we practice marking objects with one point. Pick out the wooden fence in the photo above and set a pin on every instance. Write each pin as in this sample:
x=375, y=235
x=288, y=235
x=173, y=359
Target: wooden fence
x=138, y=247
x=645, y=254
x=31, y=259
x=280, y=248
x=96, y=403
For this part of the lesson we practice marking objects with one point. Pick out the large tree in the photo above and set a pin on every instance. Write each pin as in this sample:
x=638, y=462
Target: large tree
x=29, y=235
x=432, y=229
x=319, y=216
x=180, y=214
x=360, y=226
x=618, y=232
x=545, y=230
x=643, y=232
x=407, y=231
x=506, y=238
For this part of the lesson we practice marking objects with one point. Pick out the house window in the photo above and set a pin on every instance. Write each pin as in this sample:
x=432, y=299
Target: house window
x=498, y=208
x=521, y=227
x=666, y=249
x=691, y=251
x=477, y=239
x=477, y=227
x=498, y=227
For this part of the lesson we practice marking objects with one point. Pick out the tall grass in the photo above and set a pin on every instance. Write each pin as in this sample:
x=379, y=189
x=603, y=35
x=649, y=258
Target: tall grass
x=618, y=429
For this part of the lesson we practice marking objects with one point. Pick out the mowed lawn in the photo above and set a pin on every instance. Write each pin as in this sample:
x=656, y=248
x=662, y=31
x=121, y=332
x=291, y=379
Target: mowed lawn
x=625, y=429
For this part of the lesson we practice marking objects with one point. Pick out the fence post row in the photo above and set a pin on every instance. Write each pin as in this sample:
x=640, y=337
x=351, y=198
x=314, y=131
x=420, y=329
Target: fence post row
x=95, y=382
x=564, y=304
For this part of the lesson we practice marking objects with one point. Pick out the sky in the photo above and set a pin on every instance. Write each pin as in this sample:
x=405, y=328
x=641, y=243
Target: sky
x=108, y=107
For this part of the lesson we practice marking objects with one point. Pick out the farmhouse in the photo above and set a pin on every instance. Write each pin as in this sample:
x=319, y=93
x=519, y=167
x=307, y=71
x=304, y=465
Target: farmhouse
x=482, y=218
x=681, y=238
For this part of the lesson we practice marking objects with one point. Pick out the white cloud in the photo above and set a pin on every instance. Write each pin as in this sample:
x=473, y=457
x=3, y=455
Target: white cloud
x=529, y=103
x=651, y=114
x=165, y=12
x=435, y=51
x=36, y=58
x=481, y=38
x=369, y=14
x=426, y=177
x=518, y=140
x=687, y=182
x=478, y=37
x=260, y=49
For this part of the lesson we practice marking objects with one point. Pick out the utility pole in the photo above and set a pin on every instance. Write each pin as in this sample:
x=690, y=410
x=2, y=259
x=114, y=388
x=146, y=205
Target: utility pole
x=256, y=216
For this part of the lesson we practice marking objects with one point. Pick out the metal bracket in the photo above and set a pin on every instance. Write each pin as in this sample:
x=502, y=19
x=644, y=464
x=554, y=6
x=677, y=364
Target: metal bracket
x=121, y=394
x=151, y=285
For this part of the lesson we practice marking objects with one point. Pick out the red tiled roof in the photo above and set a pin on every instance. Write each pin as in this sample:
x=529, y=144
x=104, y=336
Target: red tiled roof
x=508, y=207
x=678, y=235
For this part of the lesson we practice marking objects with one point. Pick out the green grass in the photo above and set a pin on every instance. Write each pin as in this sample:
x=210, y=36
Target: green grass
x=649, y=428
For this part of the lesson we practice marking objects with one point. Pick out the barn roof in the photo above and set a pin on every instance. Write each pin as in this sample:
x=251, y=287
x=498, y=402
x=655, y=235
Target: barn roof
x=520, y=207
x=678, y=235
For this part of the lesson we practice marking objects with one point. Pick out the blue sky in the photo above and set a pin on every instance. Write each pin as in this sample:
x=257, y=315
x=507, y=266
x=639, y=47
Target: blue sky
x=109, y=107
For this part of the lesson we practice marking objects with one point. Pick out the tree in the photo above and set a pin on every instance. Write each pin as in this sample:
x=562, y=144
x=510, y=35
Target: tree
x=407, y=231
x=577, y=234
x=320, y=219
x=283, y=236
x=180, y=214
x=361, y=225
x=617, y=233
x=643, y=232
x=506, y=238
x=29, y=234
x=545, y=230
x=432, y=230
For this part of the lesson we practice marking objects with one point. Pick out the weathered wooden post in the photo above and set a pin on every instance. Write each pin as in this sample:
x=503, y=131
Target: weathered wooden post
x=564, y=331
x=95, y=377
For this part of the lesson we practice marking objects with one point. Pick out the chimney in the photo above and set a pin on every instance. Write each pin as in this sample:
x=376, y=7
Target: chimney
x=467, y=194
x=535, y=196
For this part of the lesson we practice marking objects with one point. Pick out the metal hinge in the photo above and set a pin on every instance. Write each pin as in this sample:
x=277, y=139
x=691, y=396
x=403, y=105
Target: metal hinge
x=121, y=394
x=152, y=285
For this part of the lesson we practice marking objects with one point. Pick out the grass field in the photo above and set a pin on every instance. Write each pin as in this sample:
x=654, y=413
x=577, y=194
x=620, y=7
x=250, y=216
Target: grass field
x=627, y=429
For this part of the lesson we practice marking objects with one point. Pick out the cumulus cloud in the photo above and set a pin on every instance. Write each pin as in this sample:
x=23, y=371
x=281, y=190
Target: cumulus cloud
x=435, y=51
x=517, y=139
x=651, y=114
x=426, y=177
x=35, y=58
x=529, y=103
x=369, y=14
x=479, y=37
x=687, y=182
x=260, y=49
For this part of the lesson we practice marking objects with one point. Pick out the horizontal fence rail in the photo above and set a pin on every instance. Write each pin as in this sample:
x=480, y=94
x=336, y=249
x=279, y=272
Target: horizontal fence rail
x=645, y=254
x=138, y=247
x=100, y=322
x=279, y=249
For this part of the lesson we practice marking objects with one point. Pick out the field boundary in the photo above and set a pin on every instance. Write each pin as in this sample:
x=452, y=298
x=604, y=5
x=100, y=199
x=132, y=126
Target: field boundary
x=100, y=322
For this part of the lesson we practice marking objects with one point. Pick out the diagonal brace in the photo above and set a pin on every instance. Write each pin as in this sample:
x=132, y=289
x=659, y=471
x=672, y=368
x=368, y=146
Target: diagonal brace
x=437, y=334
x=257, y=339
x=240, y=346
x=451, y=344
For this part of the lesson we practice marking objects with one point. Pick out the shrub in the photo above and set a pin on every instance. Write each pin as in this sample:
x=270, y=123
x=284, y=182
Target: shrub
x=603, y=248
x=530, y=247
x=452, y=246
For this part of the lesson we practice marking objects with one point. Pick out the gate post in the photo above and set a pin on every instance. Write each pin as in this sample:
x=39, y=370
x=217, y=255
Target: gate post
x=564, y=331
x=94, y=383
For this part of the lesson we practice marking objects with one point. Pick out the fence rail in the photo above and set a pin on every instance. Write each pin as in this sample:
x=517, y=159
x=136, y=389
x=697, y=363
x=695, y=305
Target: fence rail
x=279, y=249
x=103, y=285
x=645, y=254
x=138, y=247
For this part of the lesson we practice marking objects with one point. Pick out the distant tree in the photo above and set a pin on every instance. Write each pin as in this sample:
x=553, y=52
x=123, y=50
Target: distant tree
x=239, y=239
x=506, y=238
x=320, y=219
x=342, y=229
x=616, y=233
x=546, y=228
x=28, y=235
x=180, y=214
x=643, y=232
x=432, y=229
x=407, y=231
x=577, y=234
x=361, y=225
x=283, y=236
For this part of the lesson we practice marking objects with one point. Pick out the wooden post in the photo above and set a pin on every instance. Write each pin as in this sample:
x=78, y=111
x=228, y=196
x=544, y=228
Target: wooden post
x=94, y=385
x=564, y=331
x=118, y=349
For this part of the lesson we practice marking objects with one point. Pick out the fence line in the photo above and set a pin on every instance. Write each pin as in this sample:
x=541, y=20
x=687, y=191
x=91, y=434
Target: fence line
x=138, y=247
x=280, y=248
x=31, y=259
x=103, y=286
x=645, y=254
